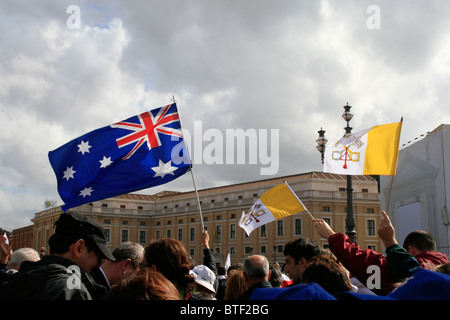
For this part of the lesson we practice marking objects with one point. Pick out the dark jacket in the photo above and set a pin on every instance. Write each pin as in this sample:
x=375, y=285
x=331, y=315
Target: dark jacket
x=51, y=278
x=248, y=293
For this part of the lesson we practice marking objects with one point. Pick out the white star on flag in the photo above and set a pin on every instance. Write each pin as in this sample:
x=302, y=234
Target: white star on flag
x=83, y=147
x=69, y=173
x=86, y=192
x=163, y=169
x=105, y=162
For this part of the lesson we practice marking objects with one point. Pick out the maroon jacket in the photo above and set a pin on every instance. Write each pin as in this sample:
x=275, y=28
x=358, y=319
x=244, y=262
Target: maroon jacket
x=356, y=261
x=430, y=259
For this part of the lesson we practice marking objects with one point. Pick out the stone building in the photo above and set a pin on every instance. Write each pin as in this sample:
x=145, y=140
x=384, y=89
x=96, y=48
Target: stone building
x=141, y=218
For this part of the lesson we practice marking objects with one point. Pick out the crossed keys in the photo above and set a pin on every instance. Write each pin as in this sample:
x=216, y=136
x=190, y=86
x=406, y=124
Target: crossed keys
x=345, y=154
x=254, y=213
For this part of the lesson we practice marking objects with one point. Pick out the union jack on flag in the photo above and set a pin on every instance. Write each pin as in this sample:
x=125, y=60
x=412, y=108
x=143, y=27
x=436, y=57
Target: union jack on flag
x=137, y=153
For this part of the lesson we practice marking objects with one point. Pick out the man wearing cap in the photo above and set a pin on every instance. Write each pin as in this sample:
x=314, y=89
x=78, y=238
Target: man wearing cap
x=77, y=246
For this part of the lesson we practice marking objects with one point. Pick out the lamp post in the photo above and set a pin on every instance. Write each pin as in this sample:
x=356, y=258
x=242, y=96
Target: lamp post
x=321, y=144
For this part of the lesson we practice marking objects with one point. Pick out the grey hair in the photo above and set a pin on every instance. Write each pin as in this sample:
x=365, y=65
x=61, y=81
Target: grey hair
x=256, y=266
x=24, y=254
x=129, y=250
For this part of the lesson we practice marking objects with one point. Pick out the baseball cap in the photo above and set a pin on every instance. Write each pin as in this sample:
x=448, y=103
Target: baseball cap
x=77, y=224
x=204, y=276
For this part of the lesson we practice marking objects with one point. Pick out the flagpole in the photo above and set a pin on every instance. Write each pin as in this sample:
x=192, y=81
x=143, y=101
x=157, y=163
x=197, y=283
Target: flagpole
x=192, y=172
x=298, y=199
x=392, y=182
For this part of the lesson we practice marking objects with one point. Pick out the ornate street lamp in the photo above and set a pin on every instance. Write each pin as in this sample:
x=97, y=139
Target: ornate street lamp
x=321, y=145
x=321, y=142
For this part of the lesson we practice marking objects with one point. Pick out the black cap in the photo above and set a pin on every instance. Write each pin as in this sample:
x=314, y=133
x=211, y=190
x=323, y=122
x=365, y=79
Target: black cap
x=84, y=227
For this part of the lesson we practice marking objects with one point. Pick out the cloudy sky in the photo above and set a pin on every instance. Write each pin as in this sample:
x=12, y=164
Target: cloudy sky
x=285, y=68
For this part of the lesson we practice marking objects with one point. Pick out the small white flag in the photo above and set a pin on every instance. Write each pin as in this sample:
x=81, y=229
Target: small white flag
x=228, y=262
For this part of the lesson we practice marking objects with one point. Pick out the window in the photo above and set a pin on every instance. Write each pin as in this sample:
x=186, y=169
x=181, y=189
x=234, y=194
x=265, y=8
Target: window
x=364, y=190
x=370, y=210
x=180, y=234
x=107, y=221
x=142, y=236
x=263, y=249
x=263, y=232
x=140, y=207
x=327, y=220
x=168, y=233
x=371, y=227
x=280, y=228
x=191, y=252
x=233, y=231
x=124, y=237
x=192, y=234
x=104, y=205
x=218, y=232
x=326, y=209
x=122, y=206
x=298, y=227
x=232, y=250
x=158, y=234
x=248, y=250
x=108, y=235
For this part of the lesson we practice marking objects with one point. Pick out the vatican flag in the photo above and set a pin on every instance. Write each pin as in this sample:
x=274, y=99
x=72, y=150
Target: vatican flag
x=277, y=203
x=372, y=151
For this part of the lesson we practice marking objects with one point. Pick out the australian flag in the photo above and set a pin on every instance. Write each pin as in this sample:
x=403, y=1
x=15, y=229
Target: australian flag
x=141, y=152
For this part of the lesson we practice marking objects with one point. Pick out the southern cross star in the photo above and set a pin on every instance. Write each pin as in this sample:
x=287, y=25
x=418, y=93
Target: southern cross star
x=69, y=173
x=84, y=147
x=86, y=192
x=105, y=162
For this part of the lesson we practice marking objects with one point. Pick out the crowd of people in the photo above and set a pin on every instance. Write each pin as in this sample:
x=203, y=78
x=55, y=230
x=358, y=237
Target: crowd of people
x=79, y=266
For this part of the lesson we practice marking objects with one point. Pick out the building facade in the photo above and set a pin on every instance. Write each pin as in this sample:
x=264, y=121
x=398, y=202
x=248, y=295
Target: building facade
x=417, y=197
x=142, y=218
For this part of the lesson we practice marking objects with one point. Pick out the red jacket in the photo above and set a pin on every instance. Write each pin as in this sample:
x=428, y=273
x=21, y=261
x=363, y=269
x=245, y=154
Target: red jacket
x=430, y=259
x=356, y=261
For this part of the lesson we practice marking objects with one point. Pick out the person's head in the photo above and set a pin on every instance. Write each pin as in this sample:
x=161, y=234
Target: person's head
x=256, y=269
x=443, y=268
x=42, y=251
x=235, y=284
x=169, y=257
x=128, y=255
x=419, y=241
x=204, y=280
x=143, y=284
x=81, y=240
x=221, y=271
x=276, y=278
x=298, y=252
x=327, y=273
x=235, y=266
x=21, y=255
